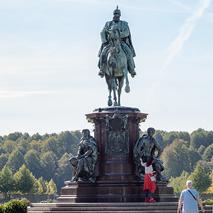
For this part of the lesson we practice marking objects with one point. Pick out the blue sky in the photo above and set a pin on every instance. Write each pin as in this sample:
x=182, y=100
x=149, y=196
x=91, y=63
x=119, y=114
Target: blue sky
x=48, y=63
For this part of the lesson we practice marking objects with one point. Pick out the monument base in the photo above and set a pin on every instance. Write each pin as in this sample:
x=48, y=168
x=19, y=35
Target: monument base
x=112, y=192
x=116, y=132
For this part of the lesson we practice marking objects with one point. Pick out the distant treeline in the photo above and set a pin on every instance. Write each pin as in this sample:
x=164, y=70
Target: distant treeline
x=47, y=156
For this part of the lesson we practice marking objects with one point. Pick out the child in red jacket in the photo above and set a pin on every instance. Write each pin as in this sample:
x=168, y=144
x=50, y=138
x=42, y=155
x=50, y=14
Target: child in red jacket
x=149, y=186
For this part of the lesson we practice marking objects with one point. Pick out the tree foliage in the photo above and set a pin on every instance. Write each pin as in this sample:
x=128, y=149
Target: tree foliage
x=201, y=178
x=201, y=137
x=16, y=160
x=179, y=183
x=33, y=163
x=63, y=171
x=41, y=186
x=208, y=153
x=24, y=180
x=177, y=157
x=7, y=182
x=48, y=155
x=51, y=187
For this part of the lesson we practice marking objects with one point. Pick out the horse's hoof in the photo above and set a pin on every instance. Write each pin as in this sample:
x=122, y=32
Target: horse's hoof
x=115, y=104
x=127, y=89
x=109, y=102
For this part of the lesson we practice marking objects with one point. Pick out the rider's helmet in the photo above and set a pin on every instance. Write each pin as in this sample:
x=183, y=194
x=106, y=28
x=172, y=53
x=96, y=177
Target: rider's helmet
x=116, y=11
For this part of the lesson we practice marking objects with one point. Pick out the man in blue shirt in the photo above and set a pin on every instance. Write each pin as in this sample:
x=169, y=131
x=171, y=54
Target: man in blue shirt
x=189, y=200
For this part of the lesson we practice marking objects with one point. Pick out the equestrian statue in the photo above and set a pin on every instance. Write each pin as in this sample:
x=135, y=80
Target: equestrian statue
x=116, y=57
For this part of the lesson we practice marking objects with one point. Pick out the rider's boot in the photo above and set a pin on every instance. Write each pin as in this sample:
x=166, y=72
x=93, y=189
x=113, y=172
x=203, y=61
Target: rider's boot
x=101, y=73
x=133, y=73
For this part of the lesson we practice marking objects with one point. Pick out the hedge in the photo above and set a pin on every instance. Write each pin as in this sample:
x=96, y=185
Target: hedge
x=15, y=206
x=208, y=202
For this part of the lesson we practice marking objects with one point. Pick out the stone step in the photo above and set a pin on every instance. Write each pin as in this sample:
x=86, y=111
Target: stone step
x=70, y=199
x=113, y=204
x=103, y=208
x=159, y=207
x=139, y=211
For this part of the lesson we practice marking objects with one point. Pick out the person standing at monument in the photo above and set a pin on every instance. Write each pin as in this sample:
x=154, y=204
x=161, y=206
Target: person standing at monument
x=189, y=200
x=149, y=186
x=126, y=43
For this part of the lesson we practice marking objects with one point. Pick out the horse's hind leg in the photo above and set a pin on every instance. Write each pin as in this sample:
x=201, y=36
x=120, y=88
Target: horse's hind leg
x=115, y=98
x=120, y=85
x=109, y=100
x=114, y=88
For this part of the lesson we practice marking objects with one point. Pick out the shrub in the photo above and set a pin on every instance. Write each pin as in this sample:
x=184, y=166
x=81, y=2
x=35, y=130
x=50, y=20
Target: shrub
x=208, y=202
x=1, y=209
x=15, y=206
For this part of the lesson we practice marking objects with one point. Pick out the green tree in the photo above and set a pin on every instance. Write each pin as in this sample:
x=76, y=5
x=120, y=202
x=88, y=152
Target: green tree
x=9, y=146
x=42, y=187
x=177, y=157
x=16, y=160
x=36, y=137
x=1, y=139
x=69, y=141
x=209, y=138
x=33, y=162
x=36, y=145
x=49, y=164
x=3, y=160
x=50, y=145
x=63, y=171
x=35, y=187
x=201, y=150
x=14, y=136
x=198, y=138
x=24, y=180
x=169, y=137
x=51, y=187
x=23, y=146
x=208, y=153
x=179, y=183
x=6, y=181
x=201, y=178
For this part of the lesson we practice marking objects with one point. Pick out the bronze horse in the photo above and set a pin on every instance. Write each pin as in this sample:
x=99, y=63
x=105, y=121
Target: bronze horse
x=116, y=71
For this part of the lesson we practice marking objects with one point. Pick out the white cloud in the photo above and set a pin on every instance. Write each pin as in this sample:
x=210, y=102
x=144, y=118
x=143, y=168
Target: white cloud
x=185, y=32
x=180, y=5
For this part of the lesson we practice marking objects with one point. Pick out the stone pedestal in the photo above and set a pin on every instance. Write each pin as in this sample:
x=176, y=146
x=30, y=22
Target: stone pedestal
x=116, y=132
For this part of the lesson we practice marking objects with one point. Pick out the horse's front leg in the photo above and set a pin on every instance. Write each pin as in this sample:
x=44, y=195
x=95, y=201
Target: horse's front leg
x=127, y=87
x=110, y=91
x=110, y=97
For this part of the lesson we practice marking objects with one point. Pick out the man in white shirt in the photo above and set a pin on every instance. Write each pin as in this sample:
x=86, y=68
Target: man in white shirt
x=189, y=200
